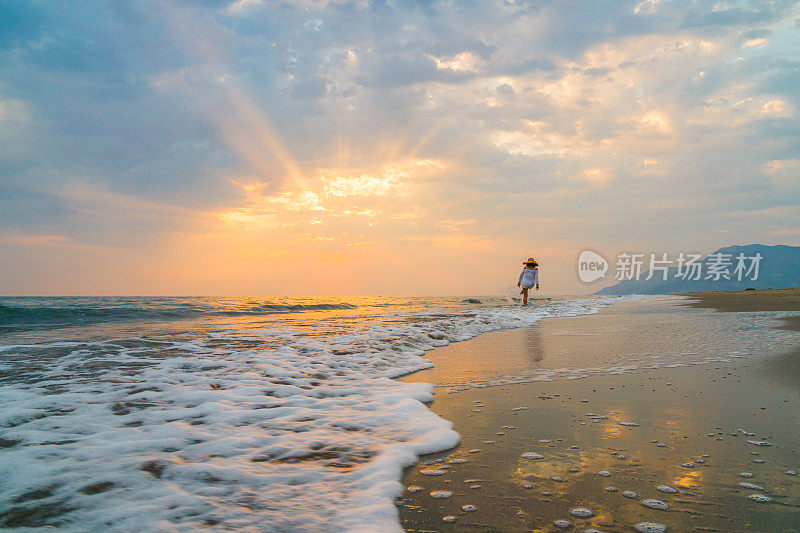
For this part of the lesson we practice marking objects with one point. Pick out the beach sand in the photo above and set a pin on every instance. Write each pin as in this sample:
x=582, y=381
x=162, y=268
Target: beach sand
x=694, y=428
x=762, y=300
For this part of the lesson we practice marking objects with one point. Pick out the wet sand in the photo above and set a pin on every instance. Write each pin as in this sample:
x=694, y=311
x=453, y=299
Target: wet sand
x=760, y=300
x=785, y=365
x=686, y=427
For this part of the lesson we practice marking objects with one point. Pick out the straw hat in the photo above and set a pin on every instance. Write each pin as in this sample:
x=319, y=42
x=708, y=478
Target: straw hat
x=529, y=261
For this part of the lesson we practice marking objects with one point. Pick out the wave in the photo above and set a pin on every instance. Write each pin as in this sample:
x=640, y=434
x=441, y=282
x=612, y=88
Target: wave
x=21, y=317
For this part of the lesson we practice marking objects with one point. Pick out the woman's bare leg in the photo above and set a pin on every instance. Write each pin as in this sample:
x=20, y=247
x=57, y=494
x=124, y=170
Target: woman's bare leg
x=525, y=296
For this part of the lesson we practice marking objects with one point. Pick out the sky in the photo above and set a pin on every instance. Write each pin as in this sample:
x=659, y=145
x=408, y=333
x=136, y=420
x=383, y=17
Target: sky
x=253, y=147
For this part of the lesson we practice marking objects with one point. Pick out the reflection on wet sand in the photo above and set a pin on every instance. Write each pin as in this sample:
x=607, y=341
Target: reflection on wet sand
x=684, y=428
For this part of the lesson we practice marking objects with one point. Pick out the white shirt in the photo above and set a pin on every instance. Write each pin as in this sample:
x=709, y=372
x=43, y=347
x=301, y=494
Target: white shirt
x=529, y=277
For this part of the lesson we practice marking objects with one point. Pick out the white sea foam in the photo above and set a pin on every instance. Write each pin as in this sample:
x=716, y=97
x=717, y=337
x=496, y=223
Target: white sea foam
x=532, y=456
x=296, y=424
x=650, y=527
x=655, y=504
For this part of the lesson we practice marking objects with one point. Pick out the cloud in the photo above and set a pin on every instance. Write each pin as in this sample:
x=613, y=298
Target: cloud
x=372, y=125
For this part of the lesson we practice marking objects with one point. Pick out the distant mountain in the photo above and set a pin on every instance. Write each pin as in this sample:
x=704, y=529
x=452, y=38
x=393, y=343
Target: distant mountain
x=779, y=268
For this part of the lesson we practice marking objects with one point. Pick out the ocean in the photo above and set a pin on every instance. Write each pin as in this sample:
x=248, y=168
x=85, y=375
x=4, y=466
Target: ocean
x=275, y=414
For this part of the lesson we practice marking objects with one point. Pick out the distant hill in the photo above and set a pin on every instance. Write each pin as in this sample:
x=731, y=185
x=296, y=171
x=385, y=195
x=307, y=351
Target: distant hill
x=779, y=269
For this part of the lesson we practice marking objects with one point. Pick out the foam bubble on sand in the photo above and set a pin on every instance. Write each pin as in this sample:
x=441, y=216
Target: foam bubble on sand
x=558, y=479
x=751, y=486
x=688, y=465
x=449, y=519
x=655, y=504
x=759, y=443
x=457, y=461
x=604, y=473
x=474, y=450
x=610, y=489
x=432, y=472
x=532, y=455
x=667, y=489
x=527, y=486
x=745, y=474
x=791, y=472
x=469, y=508
x=629, y=494
x=441, y=494
x=650, y=527
x=761, y=498
x=759, y=461
x=562, y=524
x=522, y=408
x=414, y=488
x=628, y=424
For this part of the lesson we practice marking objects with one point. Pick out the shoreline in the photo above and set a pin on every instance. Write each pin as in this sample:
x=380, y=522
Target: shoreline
x=549, y=418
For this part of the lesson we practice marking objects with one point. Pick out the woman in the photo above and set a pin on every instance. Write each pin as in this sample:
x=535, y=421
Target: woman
x=529, y=277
